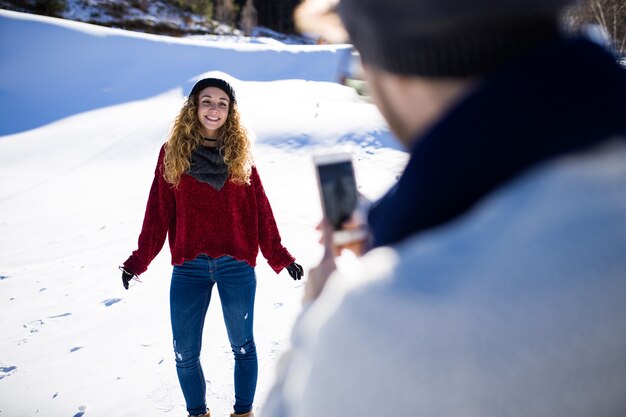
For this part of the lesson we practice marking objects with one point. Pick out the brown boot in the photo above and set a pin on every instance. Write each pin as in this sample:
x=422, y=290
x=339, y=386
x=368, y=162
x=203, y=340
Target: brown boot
x=208, y=414
x=248, y=414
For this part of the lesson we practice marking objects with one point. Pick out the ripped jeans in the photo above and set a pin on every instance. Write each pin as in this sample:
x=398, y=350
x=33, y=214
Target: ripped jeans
x=190, y=294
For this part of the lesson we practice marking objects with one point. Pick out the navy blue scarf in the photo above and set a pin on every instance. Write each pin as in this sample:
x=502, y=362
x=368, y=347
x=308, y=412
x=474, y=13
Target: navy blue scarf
x=568, y=95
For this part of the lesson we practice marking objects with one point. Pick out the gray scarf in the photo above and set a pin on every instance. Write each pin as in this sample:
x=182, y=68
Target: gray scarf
x=208, y=166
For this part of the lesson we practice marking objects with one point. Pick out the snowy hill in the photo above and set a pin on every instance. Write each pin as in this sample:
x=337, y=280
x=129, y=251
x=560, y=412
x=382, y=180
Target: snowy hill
x=84, y=112
x=67, y=67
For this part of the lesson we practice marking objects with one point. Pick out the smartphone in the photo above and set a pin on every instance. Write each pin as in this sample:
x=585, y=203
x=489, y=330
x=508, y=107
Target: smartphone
x=338, y=192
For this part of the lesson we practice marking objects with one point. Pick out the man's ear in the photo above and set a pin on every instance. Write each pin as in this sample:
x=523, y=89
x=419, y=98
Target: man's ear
x=386, y=91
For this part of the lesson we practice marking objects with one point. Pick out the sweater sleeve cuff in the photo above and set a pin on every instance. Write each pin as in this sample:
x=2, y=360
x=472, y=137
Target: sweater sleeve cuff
x=133, y=265
x=280, y=260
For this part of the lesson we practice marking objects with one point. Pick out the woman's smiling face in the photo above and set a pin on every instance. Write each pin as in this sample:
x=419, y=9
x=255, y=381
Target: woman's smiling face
x=213, y=105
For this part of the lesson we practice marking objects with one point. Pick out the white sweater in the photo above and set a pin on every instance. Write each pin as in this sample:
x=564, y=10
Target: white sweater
x=516, y=309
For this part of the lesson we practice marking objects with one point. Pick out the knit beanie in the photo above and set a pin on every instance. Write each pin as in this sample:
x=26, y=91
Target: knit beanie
x=447, y=38
x=214, y=82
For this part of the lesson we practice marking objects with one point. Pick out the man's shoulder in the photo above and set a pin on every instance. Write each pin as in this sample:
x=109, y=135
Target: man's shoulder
x=563, y=221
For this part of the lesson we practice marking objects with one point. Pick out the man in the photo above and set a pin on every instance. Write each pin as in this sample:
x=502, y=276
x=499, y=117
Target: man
x=495, y=278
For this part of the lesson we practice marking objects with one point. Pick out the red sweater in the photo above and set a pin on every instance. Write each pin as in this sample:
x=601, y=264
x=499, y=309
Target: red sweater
x=198, y=219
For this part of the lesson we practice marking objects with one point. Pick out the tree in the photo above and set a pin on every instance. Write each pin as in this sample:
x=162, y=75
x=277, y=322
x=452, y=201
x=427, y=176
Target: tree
x=249, y=17
x=277, y=14
x=201, y=7
x=225, y=12
x=50, y=7
x=609, y=14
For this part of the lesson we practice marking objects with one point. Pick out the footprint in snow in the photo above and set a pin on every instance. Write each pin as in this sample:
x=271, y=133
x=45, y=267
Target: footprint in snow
x=33, y=326
x=60, y=315
x=110, y=301
x=81, y=411
x=164, y=396
x=6, y=371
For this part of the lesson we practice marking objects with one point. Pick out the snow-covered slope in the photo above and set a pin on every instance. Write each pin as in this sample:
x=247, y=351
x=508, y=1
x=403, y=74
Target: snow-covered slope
x=52, y=68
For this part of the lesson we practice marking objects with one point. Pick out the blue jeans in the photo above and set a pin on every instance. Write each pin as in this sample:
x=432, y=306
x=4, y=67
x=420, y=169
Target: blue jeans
x=190, y=294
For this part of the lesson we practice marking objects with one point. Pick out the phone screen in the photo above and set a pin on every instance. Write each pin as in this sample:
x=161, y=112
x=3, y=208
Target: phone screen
x=339, y=192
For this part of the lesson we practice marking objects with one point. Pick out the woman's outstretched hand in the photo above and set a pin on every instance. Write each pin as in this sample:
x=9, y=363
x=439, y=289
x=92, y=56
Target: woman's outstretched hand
x=295, y=270
x=127, y=277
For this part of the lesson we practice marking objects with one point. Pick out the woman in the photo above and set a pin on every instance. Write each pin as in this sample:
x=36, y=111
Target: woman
x=208, y=198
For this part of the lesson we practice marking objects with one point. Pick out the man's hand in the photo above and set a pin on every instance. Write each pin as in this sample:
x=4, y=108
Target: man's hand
x=354, y=224
x=318, y=276
x=356, y=229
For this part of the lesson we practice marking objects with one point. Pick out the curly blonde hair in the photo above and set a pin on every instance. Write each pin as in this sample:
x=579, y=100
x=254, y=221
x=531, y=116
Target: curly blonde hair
x=185, y=137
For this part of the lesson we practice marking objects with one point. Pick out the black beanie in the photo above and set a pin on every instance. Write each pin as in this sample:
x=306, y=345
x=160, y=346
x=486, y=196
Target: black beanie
x=447, y=38
x=214, y=82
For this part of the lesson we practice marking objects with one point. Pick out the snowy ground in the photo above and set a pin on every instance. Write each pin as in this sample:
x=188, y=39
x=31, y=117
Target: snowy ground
x=84, y=112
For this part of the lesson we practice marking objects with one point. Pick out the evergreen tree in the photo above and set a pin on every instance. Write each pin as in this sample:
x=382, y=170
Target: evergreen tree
x=50, y=7
x=201, y=7
x=276, y=14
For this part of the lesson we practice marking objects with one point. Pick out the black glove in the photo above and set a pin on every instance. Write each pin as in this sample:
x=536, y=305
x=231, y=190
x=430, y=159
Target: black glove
x=295, y=271
x=127, y=276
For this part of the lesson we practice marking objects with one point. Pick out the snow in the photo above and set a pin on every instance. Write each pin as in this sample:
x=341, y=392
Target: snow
x=85, y=110
x=41, y=82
